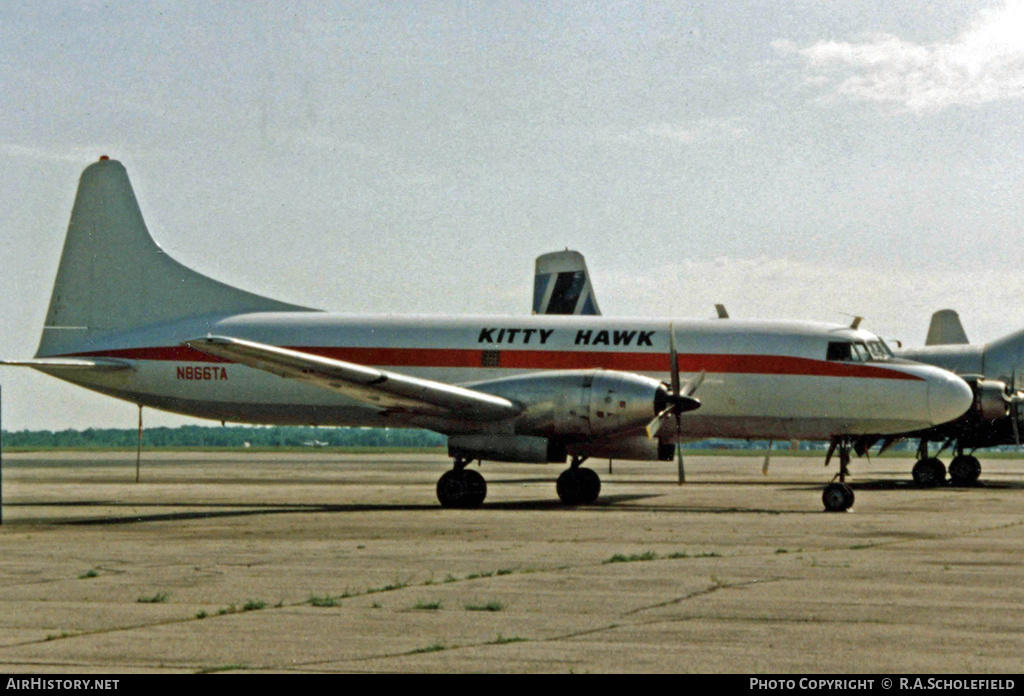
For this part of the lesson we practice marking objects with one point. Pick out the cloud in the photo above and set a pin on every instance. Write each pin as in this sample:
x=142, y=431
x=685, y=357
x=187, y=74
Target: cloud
x=982, y=64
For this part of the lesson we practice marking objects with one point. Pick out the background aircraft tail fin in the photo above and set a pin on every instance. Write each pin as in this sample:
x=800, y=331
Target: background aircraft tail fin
x=562, y=285
x=946, y=329
x=113, y=276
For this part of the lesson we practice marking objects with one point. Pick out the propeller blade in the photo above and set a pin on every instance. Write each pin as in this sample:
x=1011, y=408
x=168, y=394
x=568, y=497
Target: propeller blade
x=767, y=458
x=654, y=426
x=679, y=445
x=1014, y=397
x=1015, y=415
x=691, y=387
x=674, y=357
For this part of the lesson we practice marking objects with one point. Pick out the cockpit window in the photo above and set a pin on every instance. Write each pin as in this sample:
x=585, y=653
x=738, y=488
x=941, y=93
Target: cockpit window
x=878, y=350
x=858, y=351
x=839, y=351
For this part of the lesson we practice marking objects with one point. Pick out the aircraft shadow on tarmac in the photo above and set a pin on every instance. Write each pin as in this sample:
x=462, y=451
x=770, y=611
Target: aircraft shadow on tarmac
x=163, y=512
x=907, y=485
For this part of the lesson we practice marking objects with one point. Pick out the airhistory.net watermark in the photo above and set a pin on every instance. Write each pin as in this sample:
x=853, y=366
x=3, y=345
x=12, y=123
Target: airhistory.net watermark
x=60, y=684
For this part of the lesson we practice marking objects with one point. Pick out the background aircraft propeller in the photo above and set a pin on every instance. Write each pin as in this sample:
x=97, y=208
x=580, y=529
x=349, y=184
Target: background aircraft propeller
x=1013, y=398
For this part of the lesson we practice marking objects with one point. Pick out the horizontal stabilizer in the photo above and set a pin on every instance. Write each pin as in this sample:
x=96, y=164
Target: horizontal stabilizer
x=98, y=364
x=381, y=388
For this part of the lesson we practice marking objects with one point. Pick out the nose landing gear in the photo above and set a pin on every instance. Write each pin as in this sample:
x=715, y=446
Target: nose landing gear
x=838, y=496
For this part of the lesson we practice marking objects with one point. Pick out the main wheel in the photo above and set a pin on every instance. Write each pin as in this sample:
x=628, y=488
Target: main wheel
x=837, y=497
x=461, y=488
x=579, y=486
x=929, y=473
x=964, y=470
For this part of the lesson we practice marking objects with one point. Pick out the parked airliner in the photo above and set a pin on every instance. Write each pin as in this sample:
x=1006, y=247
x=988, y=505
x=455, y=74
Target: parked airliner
x=127, y=320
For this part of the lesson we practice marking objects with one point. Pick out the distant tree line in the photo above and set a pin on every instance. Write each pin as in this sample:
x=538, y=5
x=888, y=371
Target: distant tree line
x=234, y=436
x=293, y=436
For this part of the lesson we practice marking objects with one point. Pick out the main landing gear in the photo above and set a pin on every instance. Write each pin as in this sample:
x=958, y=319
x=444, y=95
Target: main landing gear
x=461, y=487
x=964, y=470
x=838, y=496
x=929, y=472
x=577, y=485
x=465, y=488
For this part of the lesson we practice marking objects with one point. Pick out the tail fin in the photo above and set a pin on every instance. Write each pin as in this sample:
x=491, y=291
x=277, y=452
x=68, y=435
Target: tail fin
x=562, y=285
x=945, y=329
x=113, y=276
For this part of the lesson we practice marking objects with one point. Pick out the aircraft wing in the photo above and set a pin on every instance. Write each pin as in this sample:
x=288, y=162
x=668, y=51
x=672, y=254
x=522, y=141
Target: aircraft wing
x=389, y=391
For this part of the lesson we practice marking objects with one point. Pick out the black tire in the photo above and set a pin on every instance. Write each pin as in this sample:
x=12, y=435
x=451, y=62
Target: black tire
x=461, y=488
x=929, y=473
x=964, y=470
x=591, y=486
x=837, y=497
x=578, y=486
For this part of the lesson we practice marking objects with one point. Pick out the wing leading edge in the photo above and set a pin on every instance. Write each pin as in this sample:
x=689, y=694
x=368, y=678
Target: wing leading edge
x=378, y=388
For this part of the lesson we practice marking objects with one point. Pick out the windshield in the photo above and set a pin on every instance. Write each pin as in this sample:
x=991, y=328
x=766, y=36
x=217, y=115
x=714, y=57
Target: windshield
x=858, y=351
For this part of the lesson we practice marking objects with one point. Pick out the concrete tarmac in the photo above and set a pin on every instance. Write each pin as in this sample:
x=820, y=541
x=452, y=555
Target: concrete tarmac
x=324, y=562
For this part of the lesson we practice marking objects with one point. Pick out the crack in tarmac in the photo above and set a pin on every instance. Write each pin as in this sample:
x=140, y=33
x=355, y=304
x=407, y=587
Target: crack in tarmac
x=564, y=637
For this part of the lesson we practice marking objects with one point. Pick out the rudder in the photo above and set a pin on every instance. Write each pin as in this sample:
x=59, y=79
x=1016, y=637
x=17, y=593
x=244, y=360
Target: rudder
x=562, y=285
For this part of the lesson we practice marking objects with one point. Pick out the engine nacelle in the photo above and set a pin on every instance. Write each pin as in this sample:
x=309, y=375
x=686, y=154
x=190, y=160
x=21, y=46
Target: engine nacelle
x=578, y=404
x=506, y=448
x=989, y=398
x=638, y=448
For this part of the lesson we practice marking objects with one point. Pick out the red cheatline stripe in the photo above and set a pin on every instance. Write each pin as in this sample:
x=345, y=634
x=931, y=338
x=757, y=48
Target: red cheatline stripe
x=548, y=360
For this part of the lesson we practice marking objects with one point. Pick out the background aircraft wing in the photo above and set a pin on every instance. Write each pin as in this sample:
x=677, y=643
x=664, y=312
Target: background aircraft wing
x=386, y=390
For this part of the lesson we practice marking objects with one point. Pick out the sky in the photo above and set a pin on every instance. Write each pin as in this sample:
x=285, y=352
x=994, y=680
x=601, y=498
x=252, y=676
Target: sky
x=800, y=160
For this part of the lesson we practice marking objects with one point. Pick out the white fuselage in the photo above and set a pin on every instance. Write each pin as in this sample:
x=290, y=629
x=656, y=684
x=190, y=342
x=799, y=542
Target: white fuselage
x=761, y=379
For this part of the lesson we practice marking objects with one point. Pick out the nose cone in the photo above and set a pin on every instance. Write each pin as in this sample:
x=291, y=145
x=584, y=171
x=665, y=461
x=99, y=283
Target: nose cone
x=948, y=397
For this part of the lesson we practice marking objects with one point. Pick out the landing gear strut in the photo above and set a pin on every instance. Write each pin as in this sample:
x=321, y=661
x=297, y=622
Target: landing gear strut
x=578, y=485
x=461, y=487
x=838, y=496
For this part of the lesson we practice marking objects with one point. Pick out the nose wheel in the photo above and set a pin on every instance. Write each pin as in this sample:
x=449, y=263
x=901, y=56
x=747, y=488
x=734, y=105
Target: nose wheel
x=838, y=496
